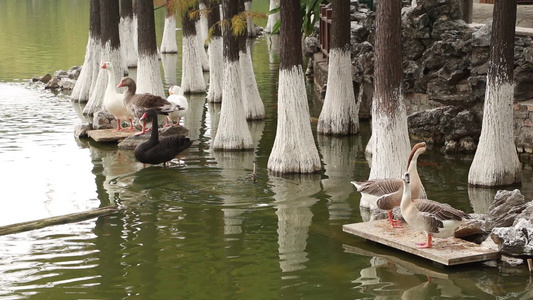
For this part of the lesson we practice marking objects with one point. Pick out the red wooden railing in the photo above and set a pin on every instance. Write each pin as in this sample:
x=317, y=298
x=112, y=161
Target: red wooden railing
x=325, y=29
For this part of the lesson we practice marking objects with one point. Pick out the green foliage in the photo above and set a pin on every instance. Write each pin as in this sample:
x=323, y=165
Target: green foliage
x=310, y=12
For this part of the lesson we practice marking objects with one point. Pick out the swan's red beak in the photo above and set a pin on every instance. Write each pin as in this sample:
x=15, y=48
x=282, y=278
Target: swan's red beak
x=143, y=117
x=104, y=66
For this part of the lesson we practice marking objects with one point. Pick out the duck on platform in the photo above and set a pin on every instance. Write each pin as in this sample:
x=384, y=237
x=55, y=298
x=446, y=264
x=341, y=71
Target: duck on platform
x=434, y=218
x=113, y=100
x=386, y=193
x=155, y=150
x=176, y=96
x=138, y=104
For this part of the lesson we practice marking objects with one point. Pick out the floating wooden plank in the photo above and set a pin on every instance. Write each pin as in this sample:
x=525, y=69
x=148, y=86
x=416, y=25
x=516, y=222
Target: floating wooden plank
x=109, y=135
x=450, y=251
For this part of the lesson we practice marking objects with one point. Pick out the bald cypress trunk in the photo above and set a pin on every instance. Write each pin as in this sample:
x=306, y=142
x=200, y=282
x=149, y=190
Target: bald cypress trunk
x=273, y=18
x=192, y=78
x=390, y=137
x=496, y=161
x=216, y=69
x=233, y=132
x=254, y=108
x=169, y=43
x=340, y=112
x=126, y=33
x=148, y=69
x=110, y=40
x=89, y=71
x=294, y=149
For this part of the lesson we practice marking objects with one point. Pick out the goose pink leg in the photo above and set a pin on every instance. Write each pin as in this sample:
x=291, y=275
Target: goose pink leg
x=394, y=223
x=425, y=244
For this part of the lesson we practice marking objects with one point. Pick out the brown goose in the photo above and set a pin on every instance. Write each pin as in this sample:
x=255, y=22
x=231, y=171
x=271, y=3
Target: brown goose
x=386, y=193
x=434, y=218
x=138, y=104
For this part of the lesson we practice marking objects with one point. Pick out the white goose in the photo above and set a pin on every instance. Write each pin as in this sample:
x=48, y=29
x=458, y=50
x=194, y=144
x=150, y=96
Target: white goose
x=113, y=100
x=176, y=96
x=434, y=218
x=386, y=193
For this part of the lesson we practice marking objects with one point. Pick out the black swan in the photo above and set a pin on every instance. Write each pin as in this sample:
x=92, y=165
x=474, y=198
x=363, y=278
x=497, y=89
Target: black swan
x=155, y=150
x=138, y=104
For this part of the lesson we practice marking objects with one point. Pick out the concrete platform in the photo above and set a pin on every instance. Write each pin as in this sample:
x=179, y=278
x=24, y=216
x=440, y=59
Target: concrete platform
x=450, y=251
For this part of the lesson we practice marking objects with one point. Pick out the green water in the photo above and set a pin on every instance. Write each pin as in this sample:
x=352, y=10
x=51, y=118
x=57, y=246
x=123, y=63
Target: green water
x=200, y=228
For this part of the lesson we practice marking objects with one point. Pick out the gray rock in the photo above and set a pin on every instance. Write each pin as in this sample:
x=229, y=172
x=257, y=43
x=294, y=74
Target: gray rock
x=60, y=73
x=312, y=45
x=66, y=83
x=515, y=240
x=481, y=38
x=74, y=72
x=134, y=140
x=80, y=130
x=102, y=119
x=46, y=78
x=505, y=207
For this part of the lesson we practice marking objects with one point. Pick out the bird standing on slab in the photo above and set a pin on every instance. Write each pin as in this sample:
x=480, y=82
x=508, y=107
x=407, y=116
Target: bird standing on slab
x=386, y=193
x=434, y=218
x=138, y=104
x=176, y=96
x=155, y=150
x=113, y=100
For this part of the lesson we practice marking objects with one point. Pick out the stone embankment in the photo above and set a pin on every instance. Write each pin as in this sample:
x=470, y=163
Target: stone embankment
x=445, y=68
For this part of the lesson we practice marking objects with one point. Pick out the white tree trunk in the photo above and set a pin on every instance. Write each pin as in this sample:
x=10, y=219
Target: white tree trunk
x=129, y=51
x=99, y=48
x=192, y=77
x=340, y=112
x=253, y=105
x=81, y=90
x=390, y=141
x=273, y=18
x=250, y=26
x=294, y=149
x=216, y=73
x=149, y=76
x=496, y=162
x=202, y=56
x=168, y=43
x=204, y=28
x=233, y=132
x=134, y=25
x=114, y=56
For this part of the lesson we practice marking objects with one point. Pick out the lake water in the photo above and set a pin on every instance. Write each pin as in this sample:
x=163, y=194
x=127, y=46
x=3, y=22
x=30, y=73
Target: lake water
x=200, y=228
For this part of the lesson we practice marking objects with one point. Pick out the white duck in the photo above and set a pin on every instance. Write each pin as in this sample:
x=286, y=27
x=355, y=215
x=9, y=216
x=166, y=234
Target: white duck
x=113, y=100
x=386, y=193
x=434, y=218
x=176, y=96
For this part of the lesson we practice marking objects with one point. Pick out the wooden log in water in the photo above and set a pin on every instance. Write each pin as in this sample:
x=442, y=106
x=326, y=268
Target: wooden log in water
x=58, y=220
